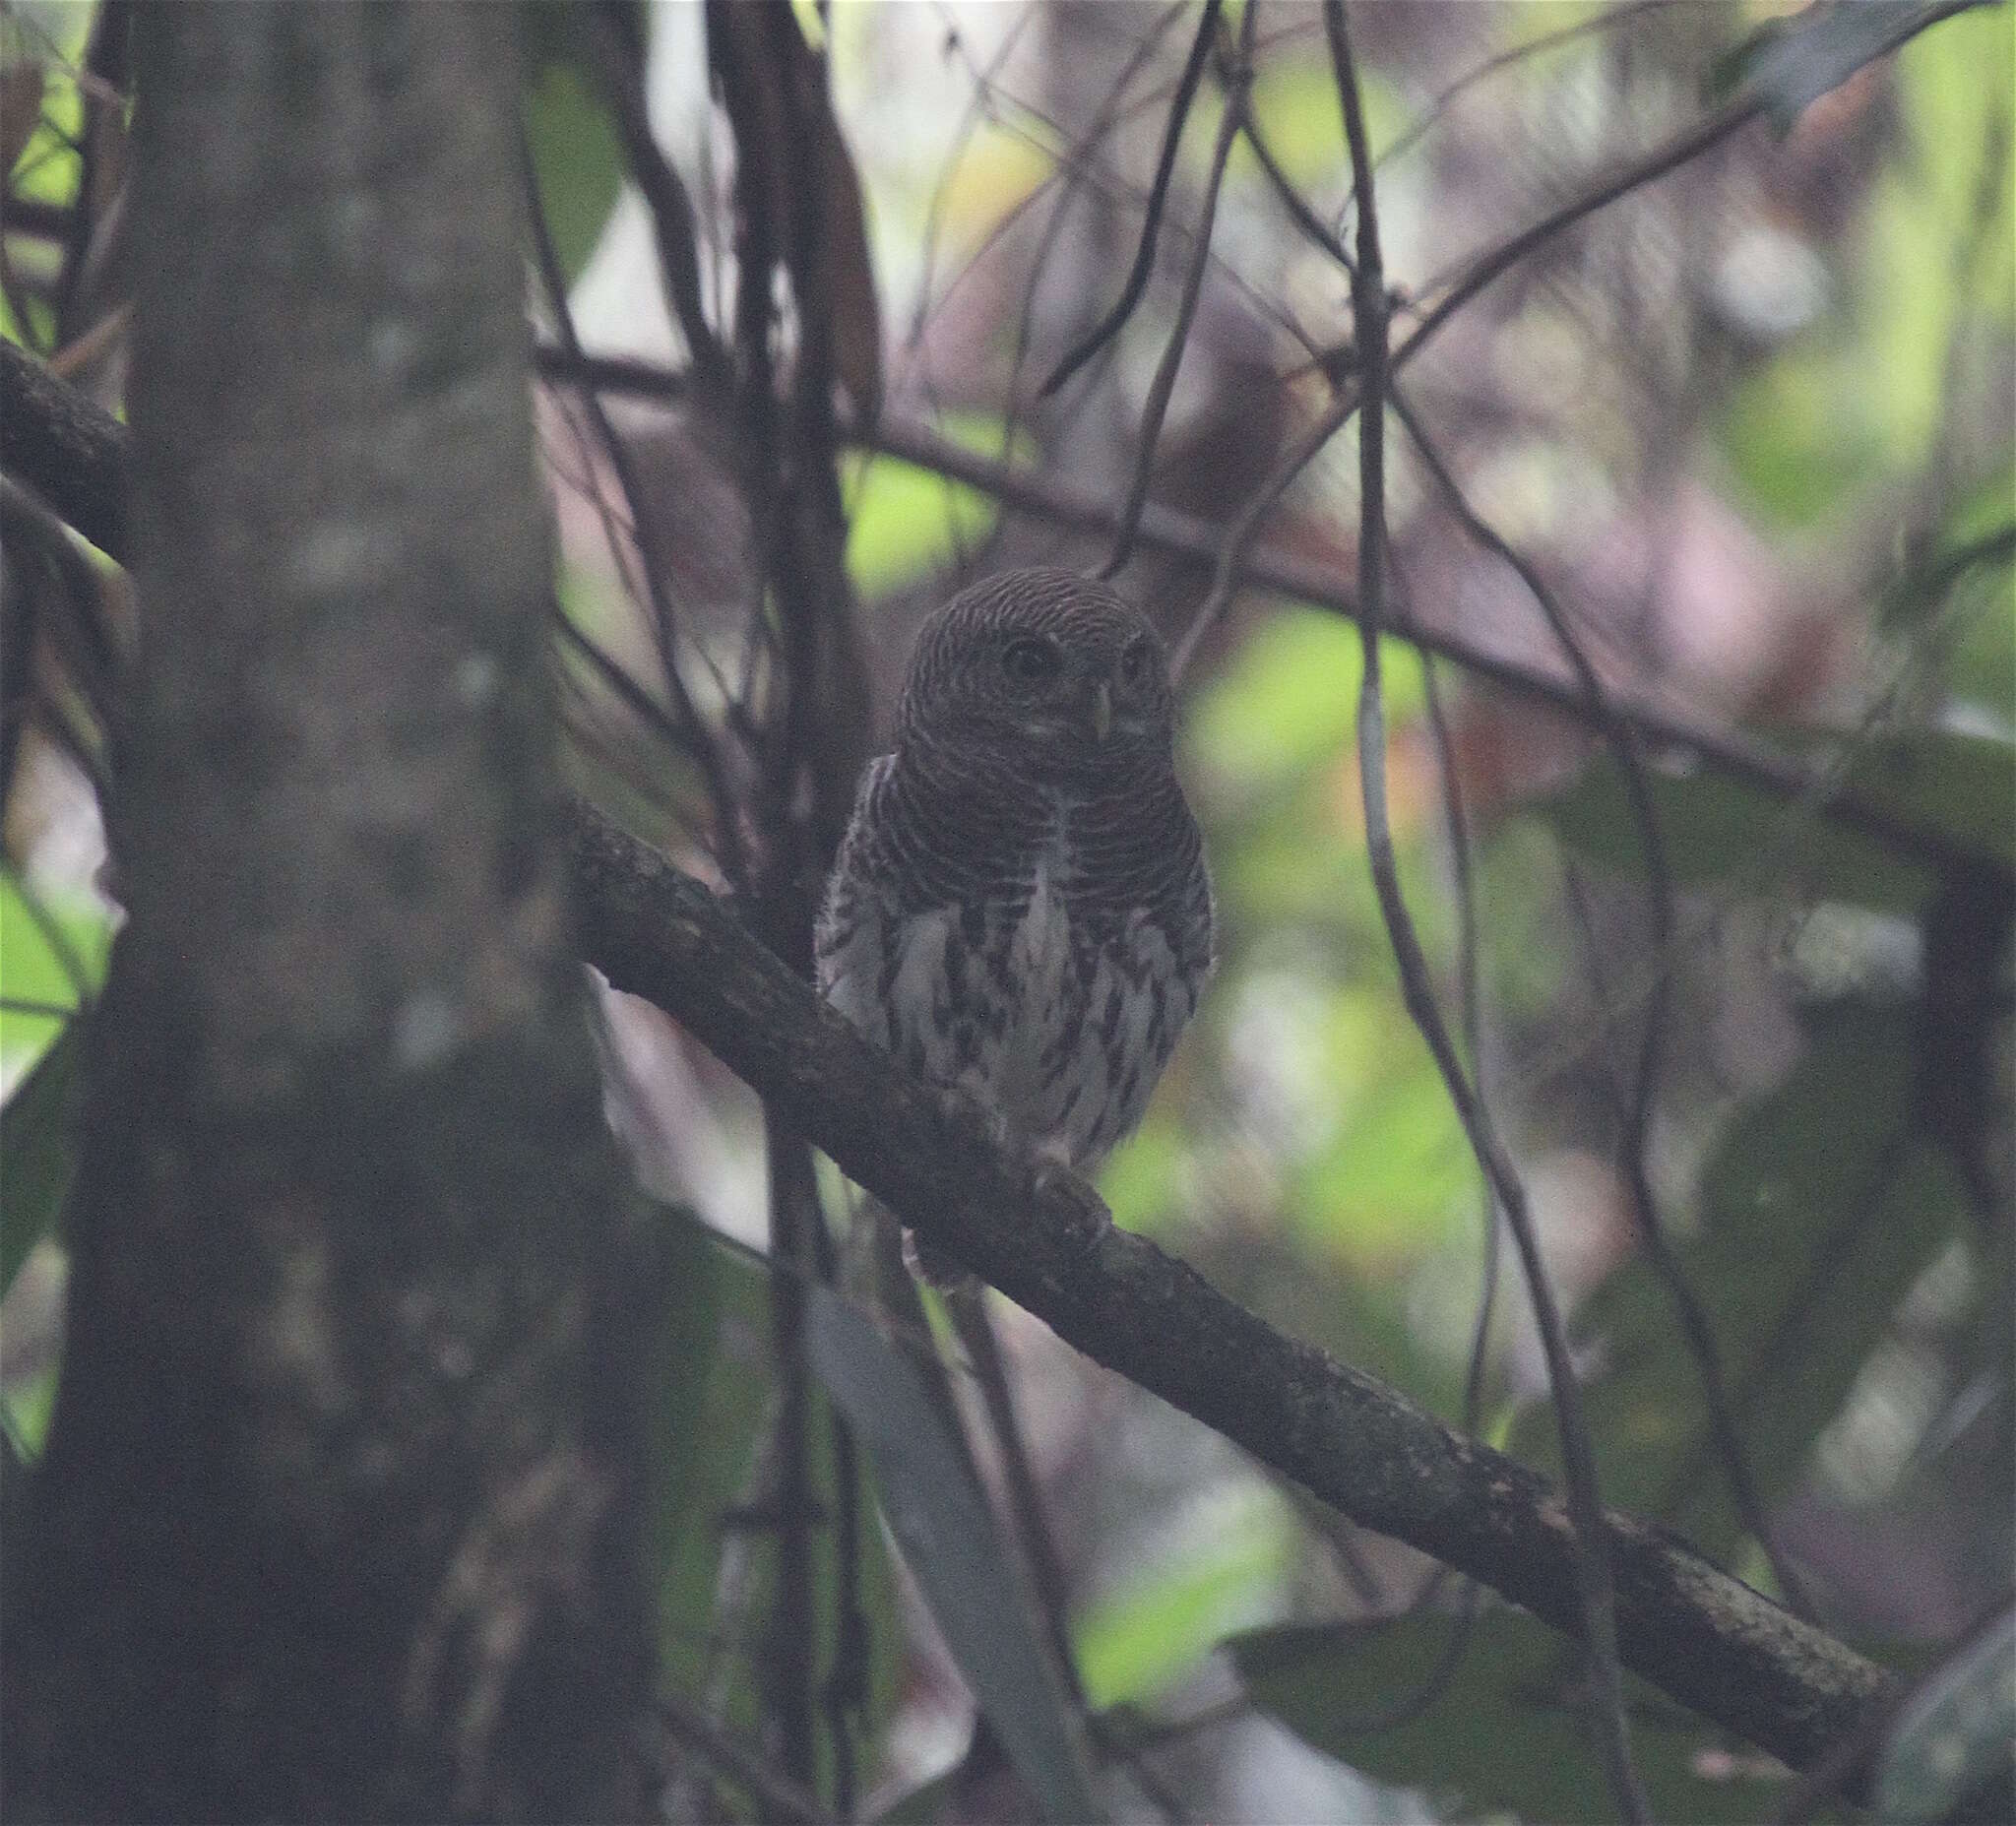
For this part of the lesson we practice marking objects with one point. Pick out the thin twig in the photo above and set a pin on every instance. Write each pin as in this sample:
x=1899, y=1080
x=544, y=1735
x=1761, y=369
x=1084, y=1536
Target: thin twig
x=1637, y=1098
x=1824, y=794
x=781, y=1798
x=1158, y=198
x=665, y=194
x=1046, y=1240
x=1231, y=566
x=1605, y=21
x=1686, y=144
x=727, y=832
x=77, y=452
x=1594, y=1576
x=1292, y=199
x=1237, y=82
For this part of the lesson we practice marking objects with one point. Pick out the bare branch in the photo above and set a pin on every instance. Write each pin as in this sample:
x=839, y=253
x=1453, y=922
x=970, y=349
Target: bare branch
x=1164, y=385
x=1158, y=198
x=80, y=473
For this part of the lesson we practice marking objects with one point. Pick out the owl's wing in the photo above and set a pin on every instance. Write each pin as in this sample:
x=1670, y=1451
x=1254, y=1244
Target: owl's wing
x=849, y=944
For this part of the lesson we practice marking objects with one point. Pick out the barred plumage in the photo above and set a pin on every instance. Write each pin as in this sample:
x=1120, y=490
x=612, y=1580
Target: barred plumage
x=1019, y=907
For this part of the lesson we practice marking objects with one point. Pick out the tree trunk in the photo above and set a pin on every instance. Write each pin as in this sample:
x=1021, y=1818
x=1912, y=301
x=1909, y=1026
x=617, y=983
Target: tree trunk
x=342, y=1510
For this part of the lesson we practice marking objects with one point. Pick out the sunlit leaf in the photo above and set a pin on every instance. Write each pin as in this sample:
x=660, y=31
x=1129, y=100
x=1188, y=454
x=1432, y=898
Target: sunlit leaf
x=1797, y=448
x=905, y=522
x=38, y=1151
x=1820, y=1210
x=1287, y=701
x=1507, y=1731
x=948, y=1535
x=1136, y=1640
x=31, y=969
x=21, y=107
x=24, y=1410
x=46, y=166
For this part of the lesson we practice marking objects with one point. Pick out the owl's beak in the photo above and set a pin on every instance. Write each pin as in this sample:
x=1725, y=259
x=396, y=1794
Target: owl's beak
x=1100, y=711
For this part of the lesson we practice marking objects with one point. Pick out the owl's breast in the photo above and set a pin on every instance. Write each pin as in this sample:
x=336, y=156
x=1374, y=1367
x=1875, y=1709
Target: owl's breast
x=1036, y=974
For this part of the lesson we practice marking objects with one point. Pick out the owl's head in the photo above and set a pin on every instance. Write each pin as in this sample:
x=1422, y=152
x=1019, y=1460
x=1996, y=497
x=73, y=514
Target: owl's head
x=1044, y=667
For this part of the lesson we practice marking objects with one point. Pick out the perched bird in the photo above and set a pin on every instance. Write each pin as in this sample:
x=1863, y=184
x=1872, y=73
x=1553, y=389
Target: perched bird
x=1019, y=907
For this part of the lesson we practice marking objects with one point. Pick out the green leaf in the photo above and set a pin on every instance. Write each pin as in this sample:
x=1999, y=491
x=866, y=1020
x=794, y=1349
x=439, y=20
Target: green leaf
x=1287, y=701
x=1797, y=450
x=1507, y=1731
x=1820, y=1210
x=1136, y=1641
x=31, y=971
x=947, y=1532
x=1954, y=1735
x=1963, y=786
x=1790, y=64
x=1720, y=831
x=905, y=522
x=38, y=1151
x=696, y=1267
x=577, y=162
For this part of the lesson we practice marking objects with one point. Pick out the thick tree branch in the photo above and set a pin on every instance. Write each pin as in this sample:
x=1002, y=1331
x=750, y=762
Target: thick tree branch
x=1046, y=1241
x=65, y=446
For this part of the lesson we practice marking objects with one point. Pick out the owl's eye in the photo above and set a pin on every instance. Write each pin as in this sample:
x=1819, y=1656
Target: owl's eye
x=1134, y=663
x=1032, y=661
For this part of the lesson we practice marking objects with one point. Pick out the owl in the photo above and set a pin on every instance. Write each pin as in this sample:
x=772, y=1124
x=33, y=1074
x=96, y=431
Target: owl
x=1020, y=908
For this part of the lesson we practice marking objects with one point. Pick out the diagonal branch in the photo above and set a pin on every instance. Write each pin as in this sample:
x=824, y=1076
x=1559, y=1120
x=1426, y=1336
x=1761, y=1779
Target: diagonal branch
x=1046, y=1241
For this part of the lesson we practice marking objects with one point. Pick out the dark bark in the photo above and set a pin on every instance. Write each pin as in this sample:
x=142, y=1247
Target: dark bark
x=65, y=446
x=342, y=1510
x=1044, y=1240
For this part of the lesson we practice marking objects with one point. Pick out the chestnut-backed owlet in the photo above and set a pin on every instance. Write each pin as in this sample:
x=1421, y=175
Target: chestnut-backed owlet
x=1020, y=908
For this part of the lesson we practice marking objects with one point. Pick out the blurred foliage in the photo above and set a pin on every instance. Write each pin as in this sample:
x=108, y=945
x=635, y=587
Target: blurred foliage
x=31, y=969
x=576, y=160
x=1952, y=1739
x=941, y=1519
x=1140, y=1638
x=38, y=1140
x=718, y=1588
x=46, y=42
x=905, y=522
x=1504, y=1732
x=1820, y=1208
